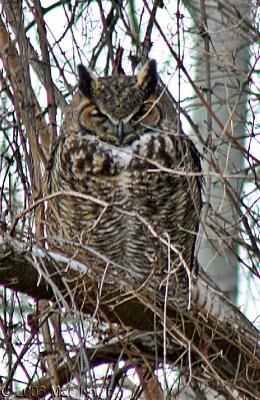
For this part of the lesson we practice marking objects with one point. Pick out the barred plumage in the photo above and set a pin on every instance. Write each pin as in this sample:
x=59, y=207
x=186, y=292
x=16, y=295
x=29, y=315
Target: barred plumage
x=118, y=145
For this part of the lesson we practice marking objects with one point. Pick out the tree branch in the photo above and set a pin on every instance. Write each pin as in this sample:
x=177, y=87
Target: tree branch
x=221, y=343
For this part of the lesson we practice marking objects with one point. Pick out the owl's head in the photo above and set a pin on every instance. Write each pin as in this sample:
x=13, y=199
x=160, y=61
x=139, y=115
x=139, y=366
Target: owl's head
x=118, y=109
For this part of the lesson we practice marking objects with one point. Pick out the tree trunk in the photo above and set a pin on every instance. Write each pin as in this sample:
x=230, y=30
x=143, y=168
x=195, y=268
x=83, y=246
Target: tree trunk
x=222, y=67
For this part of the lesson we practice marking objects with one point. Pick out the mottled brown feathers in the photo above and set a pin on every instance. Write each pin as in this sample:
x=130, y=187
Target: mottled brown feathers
x=118, y=146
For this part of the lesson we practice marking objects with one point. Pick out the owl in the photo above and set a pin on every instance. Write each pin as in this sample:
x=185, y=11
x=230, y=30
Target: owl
x=131, y=191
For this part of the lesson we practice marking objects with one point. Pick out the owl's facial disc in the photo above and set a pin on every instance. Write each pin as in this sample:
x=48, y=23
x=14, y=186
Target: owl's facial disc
x=118, y=132
x=115, y=109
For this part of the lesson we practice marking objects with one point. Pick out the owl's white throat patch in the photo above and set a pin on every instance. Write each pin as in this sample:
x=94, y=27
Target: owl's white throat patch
x=125, y=154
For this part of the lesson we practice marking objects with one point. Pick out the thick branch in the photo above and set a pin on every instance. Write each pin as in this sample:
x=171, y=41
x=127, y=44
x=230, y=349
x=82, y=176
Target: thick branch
x=217, y=336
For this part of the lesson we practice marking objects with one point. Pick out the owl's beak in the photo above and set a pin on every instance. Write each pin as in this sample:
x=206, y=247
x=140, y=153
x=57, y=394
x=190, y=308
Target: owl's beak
x=121, y=132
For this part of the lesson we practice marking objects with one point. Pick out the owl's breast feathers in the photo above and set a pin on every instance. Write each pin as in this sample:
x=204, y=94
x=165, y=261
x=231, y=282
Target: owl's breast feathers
x=152, y=184
x=128, y=188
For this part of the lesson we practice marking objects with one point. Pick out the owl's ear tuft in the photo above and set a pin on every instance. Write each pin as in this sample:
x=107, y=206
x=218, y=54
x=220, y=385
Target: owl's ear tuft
x=147, y=78
x=86, y=79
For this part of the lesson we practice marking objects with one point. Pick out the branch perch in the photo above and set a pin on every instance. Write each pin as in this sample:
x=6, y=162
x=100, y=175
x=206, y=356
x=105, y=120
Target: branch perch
x=221, y=342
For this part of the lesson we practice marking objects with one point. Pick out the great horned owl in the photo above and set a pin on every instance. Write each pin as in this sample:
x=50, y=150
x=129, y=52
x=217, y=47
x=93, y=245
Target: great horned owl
x=136, y=178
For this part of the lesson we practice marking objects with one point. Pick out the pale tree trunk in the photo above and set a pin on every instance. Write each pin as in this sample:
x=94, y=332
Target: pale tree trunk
x=222, y=66
x=221, y=70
